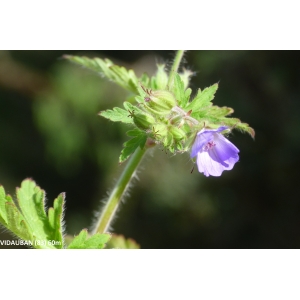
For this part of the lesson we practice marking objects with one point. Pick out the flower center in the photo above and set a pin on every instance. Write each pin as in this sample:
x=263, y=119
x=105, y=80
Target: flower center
x=209, y=145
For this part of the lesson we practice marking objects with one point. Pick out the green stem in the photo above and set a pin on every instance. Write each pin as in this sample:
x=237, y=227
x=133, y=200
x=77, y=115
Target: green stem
x=176, y=63
x=122, y=184
x=116, y=195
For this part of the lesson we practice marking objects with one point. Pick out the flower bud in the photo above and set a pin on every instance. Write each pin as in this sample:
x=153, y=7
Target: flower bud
x=160, y=129
x=160, y=102
x=177, y=133
x=143, y=121
x=168, y=140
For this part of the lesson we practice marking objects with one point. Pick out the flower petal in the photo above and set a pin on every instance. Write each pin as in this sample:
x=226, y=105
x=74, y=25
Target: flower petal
x=207, y=165
x=214, y=152
x=203, y=137
x=224, y=151
x=200, y=141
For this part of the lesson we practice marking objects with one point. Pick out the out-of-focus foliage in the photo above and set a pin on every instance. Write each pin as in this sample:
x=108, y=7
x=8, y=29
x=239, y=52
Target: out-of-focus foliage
x=118, y=241
x=66, y=115
x=50, y=131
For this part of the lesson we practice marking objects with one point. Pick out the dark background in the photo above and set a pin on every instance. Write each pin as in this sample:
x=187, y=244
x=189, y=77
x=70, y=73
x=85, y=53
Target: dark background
x=50, y=131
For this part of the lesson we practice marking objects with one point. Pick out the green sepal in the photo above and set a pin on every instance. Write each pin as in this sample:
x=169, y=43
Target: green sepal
x=84, y=241
x=160, y=102
x=185, y=77
x=203, y=98
x=143, y=121
x=121, y=76
x=177, y=133
x=160, y=80
x=139, y=139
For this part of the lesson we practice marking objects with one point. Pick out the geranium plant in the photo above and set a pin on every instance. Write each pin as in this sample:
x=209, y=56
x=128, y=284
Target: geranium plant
x=161, y=113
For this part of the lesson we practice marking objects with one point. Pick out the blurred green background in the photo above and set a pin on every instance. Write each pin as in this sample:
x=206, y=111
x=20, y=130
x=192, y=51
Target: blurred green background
x=50, y=132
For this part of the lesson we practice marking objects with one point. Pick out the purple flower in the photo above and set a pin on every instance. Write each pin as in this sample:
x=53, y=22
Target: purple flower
x=214, y=152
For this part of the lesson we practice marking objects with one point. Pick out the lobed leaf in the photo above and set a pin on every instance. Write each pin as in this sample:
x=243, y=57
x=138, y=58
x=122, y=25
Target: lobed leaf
x=178, y=90
x=84, y=241
x=17, y=224
x=203, y=98
x=117, y=114
x=30, y=221
x=213, y=112
x=139, y=139
x=120, y=75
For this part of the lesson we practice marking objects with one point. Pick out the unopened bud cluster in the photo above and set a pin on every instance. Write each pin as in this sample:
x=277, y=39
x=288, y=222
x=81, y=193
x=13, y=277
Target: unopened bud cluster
x=164, y=121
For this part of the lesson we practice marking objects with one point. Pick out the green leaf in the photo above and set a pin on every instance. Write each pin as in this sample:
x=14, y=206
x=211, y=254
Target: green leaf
x=203, y=98
x=30, y=221
x=187, y=95
x=145, y=80
x=3, y=201
x=83, y=241
x=121, y=76
x=139, y=140
x=117, y=114
x=212, y=112
x=130, y=107
x=235, y=123
x=178, y=90
x=55, y=215
x=17, y=224
x=120, y=242
x=181, y=95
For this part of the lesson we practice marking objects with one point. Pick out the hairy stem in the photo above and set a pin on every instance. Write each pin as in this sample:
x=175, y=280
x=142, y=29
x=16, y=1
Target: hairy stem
x=116, y=195
x=176, y=63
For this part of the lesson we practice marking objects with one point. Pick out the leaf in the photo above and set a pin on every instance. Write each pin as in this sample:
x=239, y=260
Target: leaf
x=3, y=201
x=130, y=107
x=55, y=216
x=203, y=98
x=83, y=241
x=120, y=242
x=187, y=95
x=17, y=224
x=121, y=76
x=178, y=90
x=145, y=80
x=139, y=140
x=237, y=124
x=117, y=114
x=30, y=221
x=212, y=112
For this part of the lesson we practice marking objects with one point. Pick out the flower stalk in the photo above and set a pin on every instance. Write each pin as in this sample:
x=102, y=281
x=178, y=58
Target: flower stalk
x=176, y=63
x=117, y=193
